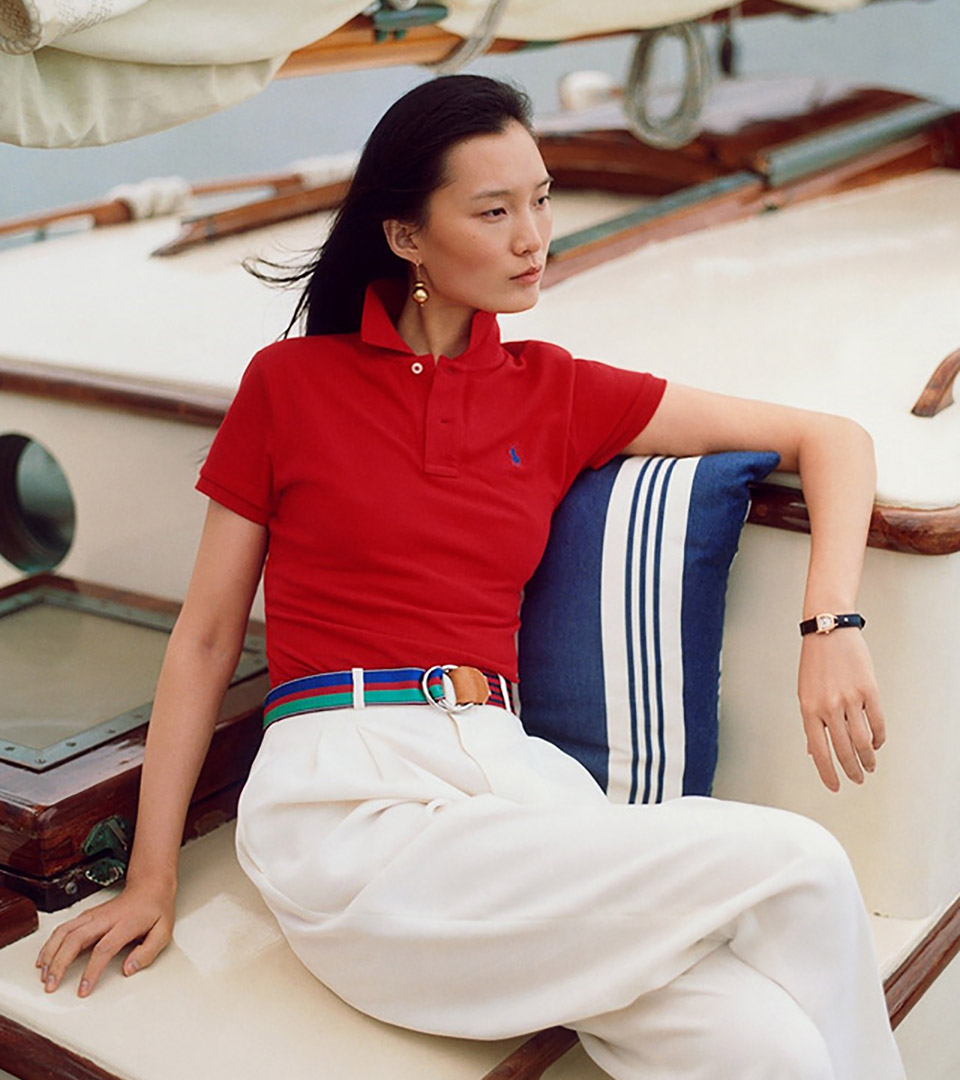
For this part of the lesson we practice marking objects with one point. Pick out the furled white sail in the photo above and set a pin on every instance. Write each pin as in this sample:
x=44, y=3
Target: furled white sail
x=88, y=72
x=28, y=25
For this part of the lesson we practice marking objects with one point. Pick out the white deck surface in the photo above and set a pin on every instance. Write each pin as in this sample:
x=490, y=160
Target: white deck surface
x=229, y=1001
x=845, y=304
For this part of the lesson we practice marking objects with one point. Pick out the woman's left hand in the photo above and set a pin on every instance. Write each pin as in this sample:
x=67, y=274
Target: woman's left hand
x=840, y=705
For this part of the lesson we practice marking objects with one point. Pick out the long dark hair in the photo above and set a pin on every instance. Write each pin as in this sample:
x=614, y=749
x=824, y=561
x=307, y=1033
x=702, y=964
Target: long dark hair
x=402, y=163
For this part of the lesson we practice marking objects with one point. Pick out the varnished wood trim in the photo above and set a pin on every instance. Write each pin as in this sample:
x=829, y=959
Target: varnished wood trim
x=31, y=1056
x=821, y=151
x=892, y=528
x=914, y=976
x=18, y=917
x=601, y=244
x=47, y=816
x=738, y=149
x=255, y=215
x=104, y=212
x=750, y=198
x=616, y=160
x=352, y=46
x=915, y=154
x=164, y=400
x=116, y=212
x=529, y=1061
x=938, y=393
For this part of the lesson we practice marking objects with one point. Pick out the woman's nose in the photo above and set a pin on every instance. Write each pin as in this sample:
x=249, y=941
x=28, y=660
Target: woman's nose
x=527, y=238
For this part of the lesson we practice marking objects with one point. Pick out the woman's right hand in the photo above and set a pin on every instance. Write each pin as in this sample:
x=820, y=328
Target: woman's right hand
x=141, y=913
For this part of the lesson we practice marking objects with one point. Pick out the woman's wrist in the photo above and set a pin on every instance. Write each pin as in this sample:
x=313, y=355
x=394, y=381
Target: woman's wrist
x=827, y=622
x=160, y=878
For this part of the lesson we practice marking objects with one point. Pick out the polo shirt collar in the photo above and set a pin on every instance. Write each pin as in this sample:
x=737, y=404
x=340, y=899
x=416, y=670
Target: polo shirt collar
x=382, y=304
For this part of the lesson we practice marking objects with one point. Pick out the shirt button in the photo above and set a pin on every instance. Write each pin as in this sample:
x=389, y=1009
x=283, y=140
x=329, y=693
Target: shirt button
x=416, y=367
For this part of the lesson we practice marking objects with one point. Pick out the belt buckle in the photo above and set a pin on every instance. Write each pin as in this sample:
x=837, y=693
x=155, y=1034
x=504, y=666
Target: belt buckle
x=443, y=703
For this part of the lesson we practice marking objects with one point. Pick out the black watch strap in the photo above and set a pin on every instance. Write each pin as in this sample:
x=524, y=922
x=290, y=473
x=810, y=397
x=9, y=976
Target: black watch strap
x=826, y=623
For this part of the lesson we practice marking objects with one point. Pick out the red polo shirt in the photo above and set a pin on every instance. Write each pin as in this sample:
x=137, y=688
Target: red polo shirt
x=408, y=501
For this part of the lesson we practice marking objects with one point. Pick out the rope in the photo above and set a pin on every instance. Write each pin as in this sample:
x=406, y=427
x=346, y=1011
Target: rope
x=476, y=44
x=154, y=198
x=320, y=171
x=684, y=124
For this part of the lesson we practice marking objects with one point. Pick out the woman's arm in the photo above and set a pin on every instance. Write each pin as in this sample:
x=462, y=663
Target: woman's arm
x=837, y=688
x=200, y=659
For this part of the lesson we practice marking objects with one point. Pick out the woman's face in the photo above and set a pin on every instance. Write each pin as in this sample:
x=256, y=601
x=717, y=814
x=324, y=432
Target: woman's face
x=489, y=224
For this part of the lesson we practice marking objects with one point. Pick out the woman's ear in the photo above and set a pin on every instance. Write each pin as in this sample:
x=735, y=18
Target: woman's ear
x=400, y=237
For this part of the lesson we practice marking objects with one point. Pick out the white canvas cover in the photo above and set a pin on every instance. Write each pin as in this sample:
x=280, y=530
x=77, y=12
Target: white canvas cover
x=89, y=72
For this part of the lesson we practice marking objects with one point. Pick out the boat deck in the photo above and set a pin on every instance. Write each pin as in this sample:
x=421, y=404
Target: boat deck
x=228, y=999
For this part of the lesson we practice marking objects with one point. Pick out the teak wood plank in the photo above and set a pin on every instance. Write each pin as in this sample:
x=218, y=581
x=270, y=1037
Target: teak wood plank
x=739, y=149
x=535, y=1056
x=31, y=1056
x=62, y=889
x=570, y=256
x=105, y=212
x=916, y=974
x=618, y=161
x=906, y=157
x=18, y=917
x=892, y=528
x=204, y=228
x=160, y=399
x=938, y=393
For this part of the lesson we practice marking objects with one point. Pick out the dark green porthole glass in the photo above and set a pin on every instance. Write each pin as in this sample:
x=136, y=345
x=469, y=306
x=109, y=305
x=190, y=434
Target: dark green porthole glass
x=37, y=514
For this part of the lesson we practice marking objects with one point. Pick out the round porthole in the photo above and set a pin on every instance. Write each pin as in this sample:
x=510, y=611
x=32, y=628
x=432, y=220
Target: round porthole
x=37, y=514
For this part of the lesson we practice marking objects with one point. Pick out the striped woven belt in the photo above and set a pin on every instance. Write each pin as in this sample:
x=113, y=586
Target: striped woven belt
x=363, y=686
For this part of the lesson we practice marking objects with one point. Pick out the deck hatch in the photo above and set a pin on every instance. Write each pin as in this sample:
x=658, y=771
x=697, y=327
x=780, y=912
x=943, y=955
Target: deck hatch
x=78, y=671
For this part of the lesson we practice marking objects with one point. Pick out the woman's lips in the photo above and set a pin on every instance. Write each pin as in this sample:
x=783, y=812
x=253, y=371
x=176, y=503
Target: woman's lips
x=530, y=275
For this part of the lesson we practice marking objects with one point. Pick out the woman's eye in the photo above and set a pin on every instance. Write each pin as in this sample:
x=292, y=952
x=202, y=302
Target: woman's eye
x=543, y=200
x=496, y=211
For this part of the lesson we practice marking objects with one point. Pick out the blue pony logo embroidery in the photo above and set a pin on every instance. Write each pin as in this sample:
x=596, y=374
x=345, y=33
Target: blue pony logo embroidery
x=514, y=456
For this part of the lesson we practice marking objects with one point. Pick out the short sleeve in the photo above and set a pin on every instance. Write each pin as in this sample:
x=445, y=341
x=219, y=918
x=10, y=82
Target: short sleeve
x=611, y=406
x=238, y=471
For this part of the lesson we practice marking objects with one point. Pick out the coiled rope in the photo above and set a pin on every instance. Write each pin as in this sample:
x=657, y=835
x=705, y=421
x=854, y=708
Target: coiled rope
x=685, y=123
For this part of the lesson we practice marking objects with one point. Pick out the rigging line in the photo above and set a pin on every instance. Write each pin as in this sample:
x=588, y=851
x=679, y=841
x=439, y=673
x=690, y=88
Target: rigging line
x=476, y=44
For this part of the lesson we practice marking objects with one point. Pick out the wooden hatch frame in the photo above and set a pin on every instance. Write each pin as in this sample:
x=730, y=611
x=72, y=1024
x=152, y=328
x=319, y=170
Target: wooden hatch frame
x=55, y=831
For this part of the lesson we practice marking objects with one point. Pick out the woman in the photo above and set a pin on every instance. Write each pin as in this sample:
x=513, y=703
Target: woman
x=437, y=868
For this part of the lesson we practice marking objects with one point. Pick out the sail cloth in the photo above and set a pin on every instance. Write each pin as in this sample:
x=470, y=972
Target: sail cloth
x=89, y=72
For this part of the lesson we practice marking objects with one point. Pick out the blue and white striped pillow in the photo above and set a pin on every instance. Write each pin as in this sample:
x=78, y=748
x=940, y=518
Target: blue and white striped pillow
x=622, y=622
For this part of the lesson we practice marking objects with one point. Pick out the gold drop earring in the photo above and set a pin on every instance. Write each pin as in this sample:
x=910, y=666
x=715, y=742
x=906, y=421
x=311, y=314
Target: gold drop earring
x=420, y=294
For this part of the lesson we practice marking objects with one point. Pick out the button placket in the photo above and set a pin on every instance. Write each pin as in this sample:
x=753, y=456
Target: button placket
x=444, y=422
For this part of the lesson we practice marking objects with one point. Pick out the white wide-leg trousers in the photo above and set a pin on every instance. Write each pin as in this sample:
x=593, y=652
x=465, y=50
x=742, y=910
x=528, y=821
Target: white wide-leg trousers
x=453, y=875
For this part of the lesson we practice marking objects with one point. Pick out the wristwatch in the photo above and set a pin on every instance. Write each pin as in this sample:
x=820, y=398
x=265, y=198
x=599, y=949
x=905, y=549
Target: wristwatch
x=824, y=624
